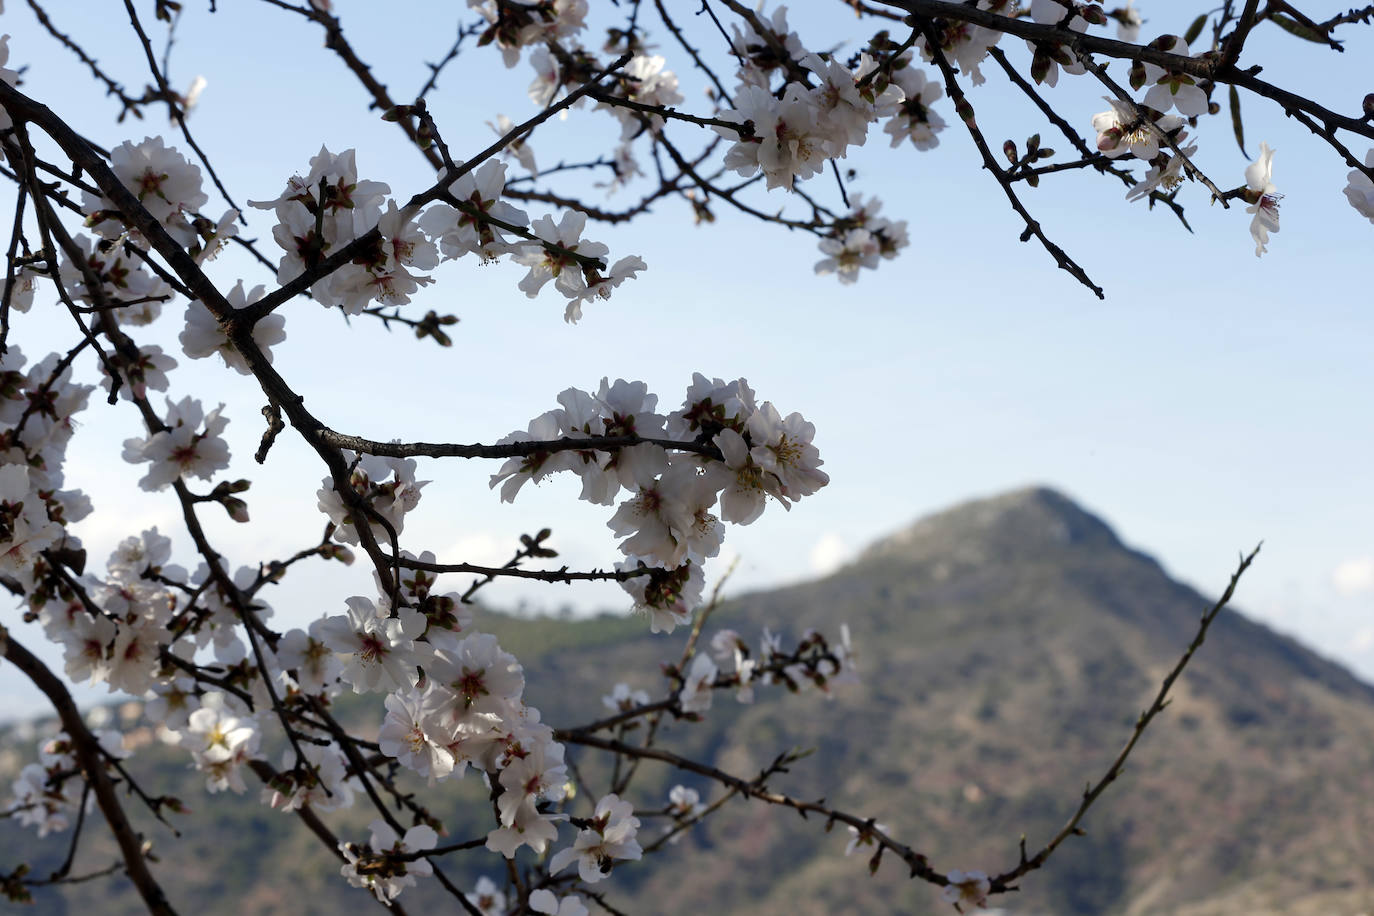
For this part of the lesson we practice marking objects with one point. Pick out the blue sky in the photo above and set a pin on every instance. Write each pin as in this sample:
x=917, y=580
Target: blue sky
x=1212, y=401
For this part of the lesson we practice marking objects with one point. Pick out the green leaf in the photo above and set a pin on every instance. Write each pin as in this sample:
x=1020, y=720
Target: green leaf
x=1195, y=29
x=1236, y=124
x=1293, y=27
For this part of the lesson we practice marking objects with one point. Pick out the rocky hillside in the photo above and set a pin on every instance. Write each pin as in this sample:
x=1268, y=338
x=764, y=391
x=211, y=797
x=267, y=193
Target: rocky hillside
x=1007, y=646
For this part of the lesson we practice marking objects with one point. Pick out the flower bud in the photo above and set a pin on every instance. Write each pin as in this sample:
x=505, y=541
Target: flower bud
x=237, y=509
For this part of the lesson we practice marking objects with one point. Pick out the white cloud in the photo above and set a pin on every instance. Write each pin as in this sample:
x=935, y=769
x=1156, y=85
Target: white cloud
x=482, y=548
x=829, y=554
x=1364, y=639
x=1354, y=577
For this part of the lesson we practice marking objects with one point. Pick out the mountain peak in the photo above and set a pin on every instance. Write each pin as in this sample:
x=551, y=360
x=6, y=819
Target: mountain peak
x=1035, y=518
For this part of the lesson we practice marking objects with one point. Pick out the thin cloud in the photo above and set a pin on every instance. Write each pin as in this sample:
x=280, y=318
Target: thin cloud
x=1354, y=577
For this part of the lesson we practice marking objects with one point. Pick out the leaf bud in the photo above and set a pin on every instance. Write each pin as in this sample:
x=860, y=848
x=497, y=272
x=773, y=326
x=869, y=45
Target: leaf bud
x=1137, y=75
x=237, y=508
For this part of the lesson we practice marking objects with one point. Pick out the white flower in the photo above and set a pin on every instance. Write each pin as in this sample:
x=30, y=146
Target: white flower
x=471, y=230
x=915, y=119
x=383, y=874
x=540, y=773
x=966, y=45
x=1172, y=89
x=181, y=451
x=557, y=263
x=594, y=285
x=162, y=179
x=519, y=148
x=1122, y=129
x=740, y=479
x=24, y=525
x=543, y=900
x=487, y=898
x=324, y=785
x=319, y=213
x=405, y=735
x=483, y=677
x=783, y=447
x=644, y=80
x=1165, y=177
x=220, y=742
x=380, y=649
x=967, y=887
x=695, y=695
x=684, y=801
x=8, y=77
x=667, y=598
x=530, y=829
x=1360, y=190
x=149, y=371
x=25, y=284
x=513, y=474
x=863, y=837
x=788, y=142
x=1258, y=180
x=314, y=664
x=389, y=487
x=204, y=337
x=1128, y=22
x=611, y=836
x=845, y=256
x=1053, y=12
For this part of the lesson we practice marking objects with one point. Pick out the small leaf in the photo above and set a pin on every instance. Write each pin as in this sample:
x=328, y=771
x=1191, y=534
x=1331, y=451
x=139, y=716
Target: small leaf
x=1236, y=124
x=1293, y=27
x=1195, y=29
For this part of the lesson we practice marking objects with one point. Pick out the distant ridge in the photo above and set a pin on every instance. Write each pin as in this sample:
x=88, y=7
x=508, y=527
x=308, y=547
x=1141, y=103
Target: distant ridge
x=1011, y=522
x=1006, y=646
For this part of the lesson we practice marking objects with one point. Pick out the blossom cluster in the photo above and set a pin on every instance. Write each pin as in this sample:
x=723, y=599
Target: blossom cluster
x=330, y=208
x=45, y=794
x=742, y=454
x=36, y=410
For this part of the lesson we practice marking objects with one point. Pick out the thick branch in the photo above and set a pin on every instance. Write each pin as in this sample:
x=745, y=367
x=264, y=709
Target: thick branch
x=88, y=757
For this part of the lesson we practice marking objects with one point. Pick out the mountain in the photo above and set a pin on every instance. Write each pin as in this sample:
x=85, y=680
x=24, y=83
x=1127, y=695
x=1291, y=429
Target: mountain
x=1006, y=648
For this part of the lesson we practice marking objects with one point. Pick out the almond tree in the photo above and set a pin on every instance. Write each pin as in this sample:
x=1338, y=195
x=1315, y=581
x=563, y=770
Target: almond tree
x=124, y=238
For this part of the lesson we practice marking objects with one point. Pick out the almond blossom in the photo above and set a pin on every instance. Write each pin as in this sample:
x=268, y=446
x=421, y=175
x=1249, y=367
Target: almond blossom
x=1265, y=199
x=1360, y=189
x=203, y=335
x=610, y=836
x=184, y=448
x=378, y=649
x=787, y=142
x=1171, y=88
x=165, y=183
x=382, y=872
